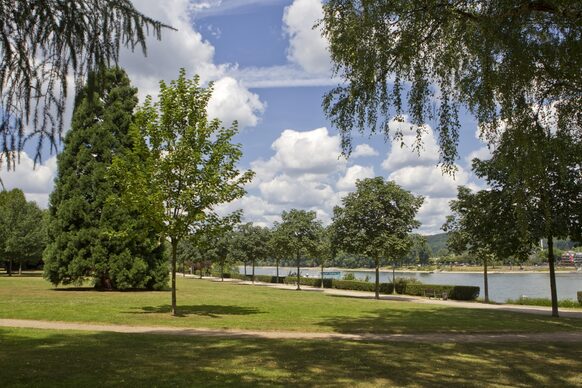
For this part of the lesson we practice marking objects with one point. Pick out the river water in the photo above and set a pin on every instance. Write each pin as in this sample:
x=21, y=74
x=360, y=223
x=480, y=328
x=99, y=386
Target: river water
x=502, y=286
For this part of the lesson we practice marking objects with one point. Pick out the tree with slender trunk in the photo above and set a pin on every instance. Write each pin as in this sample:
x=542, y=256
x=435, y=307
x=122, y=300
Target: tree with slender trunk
x=376, y=221
x=300, y=232
x=185, y=164
x=538, y=170
x=252, y=244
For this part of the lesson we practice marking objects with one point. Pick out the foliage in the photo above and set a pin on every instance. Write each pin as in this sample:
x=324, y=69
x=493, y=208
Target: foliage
x=184, y=164
x=538, y=171
x=453, y=292
x=22, y=229
x=376, y=220
x=349, y=276
x=508, y=62
x=526, y=301
x=579, y=295
x=419, y=252
x=401, y=283
x=91, y=234
x=299, y=233
x=250, y=243
x=41, y=42
x=357, y=285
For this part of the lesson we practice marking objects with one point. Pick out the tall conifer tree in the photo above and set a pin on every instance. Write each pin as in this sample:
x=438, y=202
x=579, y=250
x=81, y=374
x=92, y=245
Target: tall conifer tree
x=90, y=234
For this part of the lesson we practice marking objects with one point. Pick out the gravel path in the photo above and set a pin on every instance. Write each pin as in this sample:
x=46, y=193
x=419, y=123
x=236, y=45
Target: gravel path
x=422, y=338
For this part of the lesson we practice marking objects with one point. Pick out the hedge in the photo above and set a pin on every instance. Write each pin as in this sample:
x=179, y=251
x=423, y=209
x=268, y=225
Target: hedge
x=580, y=297
x=438, y=290
x=403, y=287
x=313, y=282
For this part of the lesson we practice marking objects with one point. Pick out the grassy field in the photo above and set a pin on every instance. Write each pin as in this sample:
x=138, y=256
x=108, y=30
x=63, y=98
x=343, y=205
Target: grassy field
x=209, y=304
x=71, y=358
x=81, y=359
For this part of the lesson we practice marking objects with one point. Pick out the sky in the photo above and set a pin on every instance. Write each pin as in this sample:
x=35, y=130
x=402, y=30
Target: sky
x=270, y=70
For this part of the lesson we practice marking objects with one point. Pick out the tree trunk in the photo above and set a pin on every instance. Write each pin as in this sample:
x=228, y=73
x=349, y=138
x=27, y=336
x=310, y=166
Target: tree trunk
x=321, y=275
x=553, y=290
x=174, y=250
x=20, y=268
x=377, y=285
x=485, y=280
x=298, y=273
x=222, y=272
x=10, y=267
x=245, y=263
x=394, y=277
x=277, y=264
x=253, y=275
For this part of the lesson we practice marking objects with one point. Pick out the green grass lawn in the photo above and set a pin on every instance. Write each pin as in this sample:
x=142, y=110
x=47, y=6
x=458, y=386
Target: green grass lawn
x=84, y=359
x=228, y=305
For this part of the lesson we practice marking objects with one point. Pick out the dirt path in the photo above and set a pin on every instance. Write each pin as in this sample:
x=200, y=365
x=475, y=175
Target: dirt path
x=423, y=338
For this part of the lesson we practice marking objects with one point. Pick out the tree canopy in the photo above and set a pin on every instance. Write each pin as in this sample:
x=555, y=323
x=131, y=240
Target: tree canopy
x=41, y=44
x=508, y=62
x=376, y=221
x=298, y=234
x=183, y=165
x=22, y=229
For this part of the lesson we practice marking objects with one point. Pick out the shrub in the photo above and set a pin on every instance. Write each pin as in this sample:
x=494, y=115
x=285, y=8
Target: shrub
x=313, y=282
x=580, y=297
x=401, y=284
x=269, y=279
x=349, y=276
x=543, y=302
x=355, y=285
x=453, y=292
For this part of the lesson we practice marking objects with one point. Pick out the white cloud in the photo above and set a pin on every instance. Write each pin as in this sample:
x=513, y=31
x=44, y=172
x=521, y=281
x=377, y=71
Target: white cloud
x=307, y=46
x=363, y=150
x=35, y=182
x=348, y=181
x=483, y=153
x=429, y=180
x=186, y=48
x=280, y=76
x=314, y=152
x=230, y=101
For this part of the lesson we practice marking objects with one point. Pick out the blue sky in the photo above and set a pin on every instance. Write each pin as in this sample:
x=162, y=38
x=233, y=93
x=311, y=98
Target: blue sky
x=271, y=69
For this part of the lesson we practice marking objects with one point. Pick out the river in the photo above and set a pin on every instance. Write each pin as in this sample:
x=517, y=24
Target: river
x=502, y=286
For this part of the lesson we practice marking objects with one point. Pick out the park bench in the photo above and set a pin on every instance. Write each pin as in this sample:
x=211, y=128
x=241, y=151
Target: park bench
x=434, y=294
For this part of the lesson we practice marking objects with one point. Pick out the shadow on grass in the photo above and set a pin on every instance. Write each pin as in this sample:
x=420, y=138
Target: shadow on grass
x=25, y=274
x=447, y=320
x=93, y=289
x=113, y=359
x=213, y=311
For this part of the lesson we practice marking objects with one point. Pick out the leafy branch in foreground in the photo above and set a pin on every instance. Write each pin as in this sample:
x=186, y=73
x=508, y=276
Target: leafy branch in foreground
x=41, y=43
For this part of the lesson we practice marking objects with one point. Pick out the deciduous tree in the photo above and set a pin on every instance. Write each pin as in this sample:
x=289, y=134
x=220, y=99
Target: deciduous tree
x=188, y=163
x=376, y=221
x=503, y=60
x=299, y=231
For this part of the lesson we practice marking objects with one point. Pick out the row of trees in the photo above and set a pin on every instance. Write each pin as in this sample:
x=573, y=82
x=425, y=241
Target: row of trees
x=375, y=222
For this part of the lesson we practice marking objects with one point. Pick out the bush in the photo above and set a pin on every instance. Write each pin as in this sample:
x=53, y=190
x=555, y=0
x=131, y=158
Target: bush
x=580, y=297
x=313, y=282
x=453, y=292
x=355, y=285
x=349, y=276
x=543, y=302
x=268, y=279
x=401, y=284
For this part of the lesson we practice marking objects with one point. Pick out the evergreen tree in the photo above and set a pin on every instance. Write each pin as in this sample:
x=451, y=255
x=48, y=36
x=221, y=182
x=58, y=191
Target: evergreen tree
x=90, y=233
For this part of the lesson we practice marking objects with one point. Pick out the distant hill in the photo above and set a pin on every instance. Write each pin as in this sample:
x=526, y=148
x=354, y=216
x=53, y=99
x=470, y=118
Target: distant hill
x=437, y=242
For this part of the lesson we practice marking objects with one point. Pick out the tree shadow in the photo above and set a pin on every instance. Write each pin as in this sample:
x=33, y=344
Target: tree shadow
x=212, y=311
x=398, y=298
x=438, y=319
x=165, y=360
x=93, y=289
